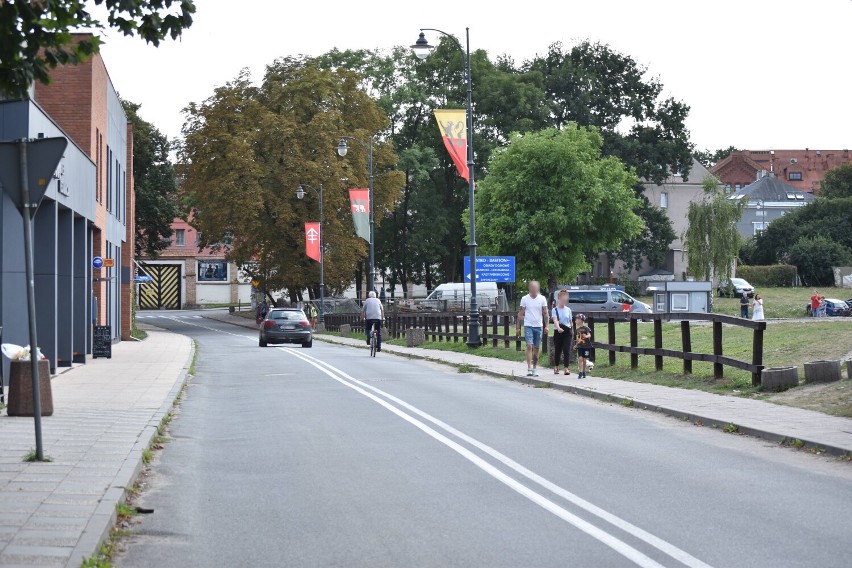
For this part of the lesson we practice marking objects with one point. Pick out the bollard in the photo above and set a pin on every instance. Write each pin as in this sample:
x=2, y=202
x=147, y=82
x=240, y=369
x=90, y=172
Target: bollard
x=21, y=388
x=415, y=337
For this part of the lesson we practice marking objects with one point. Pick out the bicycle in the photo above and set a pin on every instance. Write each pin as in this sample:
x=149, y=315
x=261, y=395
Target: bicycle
x=374, y=340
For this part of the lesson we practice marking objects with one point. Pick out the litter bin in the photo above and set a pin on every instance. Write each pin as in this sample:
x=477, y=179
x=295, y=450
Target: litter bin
x=21, y=388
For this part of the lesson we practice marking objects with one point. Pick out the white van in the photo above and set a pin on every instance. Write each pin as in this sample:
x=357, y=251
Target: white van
x=456, y=295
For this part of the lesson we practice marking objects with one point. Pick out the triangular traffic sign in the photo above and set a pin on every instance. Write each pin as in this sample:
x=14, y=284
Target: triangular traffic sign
x=43, y=156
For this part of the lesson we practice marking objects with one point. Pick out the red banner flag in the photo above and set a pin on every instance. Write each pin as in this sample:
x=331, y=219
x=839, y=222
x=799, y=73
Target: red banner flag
x=453, y=126
x=312, y=240
x=359, y=200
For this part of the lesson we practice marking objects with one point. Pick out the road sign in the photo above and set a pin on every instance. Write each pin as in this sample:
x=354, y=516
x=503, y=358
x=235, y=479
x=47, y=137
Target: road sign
x=97, y=263
x=255, y=283
x=491, y=269
x=42, y=157
x=143, y=278
x=109, y=262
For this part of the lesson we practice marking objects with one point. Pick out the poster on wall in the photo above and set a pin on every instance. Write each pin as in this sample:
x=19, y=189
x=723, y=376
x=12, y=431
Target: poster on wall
x=212, y=271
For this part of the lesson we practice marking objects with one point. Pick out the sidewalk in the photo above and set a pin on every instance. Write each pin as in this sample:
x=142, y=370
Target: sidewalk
x=753, y=417
x=106, y=413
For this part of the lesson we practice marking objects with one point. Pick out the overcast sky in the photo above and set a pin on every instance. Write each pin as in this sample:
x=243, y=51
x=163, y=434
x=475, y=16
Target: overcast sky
x=758, y=74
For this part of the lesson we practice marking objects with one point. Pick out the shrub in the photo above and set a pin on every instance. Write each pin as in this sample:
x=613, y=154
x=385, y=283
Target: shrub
x=773, y=275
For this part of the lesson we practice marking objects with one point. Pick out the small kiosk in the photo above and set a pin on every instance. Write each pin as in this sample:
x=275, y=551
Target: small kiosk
x=687, y=297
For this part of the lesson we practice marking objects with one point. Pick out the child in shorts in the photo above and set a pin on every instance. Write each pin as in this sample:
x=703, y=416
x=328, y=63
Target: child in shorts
x=584, y=344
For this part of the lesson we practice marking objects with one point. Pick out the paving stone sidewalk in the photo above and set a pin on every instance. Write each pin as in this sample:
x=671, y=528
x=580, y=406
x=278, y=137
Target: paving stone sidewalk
x=754, y=417
x=105, y=414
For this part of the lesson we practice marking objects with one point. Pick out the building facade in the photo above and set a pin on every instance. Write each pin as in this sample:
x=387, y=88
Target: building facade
x=182, y=276
x=803, y=170
x=767, y=199
x=87, y=211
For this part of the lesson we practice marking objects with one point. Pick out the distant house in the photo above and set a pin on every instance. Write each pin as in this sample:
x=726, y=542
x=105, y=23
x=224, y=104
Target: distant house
x=672, y=196
x=802, y=169
x=768, y=199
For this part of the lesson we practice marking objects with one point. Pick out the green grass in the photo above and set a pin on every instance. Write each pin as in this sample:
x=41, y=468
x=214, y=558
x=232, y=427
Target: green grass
x=460, y=347
x=777, y=302
x=194, y=358
x=139, y=334
x=30, y=457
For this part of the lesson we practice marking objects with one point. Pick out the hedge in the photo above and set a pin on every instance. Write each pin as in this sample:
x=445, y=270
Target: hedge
x=774, y=275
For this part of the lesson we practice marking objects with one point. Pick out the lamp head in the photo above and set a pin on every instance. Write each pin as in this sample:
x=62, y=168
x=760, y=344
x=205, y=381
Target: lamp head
x=342, y=148
x=300, y=192
x=421, y=47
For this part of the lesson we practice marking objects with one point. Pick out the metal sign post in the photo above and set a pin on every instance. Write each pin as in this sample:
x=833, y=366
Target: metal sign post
x=39, y=170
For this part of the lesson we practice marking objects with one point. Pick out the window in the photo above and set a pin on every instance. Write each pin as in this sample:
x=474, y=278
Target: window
x=760, y=213
x=759, y=227
x=664, y=200
x=794, y=176
x=621, y=298
x=180, y=237
x=737, y=187
x=680, y=302
x=583, y=297
x=727, y=188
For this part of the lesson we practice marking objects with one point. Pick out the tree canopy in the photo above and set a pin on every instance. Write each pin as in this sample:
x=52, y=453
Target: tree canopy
x=712, y=240
x=38, y=36
x=155, y=184
x=550, y=197
x=837, y=182
x=248, y=147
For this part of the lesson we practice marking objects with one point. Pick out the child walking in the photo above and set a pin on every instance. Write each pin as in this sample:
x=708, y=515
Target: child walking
x=584, y=344
x=564, y=334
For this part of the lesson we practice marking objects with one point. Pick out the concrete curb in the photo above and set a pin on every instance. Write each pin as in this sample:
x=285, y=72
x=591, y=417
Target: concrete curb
x=100, y=525
x=698, y=419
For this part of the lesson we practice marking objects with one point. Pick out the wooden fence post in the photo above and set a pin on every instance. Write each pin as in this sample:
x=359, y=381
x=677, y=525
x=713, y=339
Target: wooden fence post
x=590, y=322
x=493, y=317
x=686, y=339
x=455, y=329
x=718, y=368
x=658, y=343
x=506, y=330
x=610, y=327
x=757, y=354
x=634, y=342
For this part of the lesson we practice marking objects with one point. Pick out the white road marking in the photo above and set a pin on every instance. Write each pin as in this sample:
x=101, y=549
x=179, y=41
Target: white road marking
x=604, y=537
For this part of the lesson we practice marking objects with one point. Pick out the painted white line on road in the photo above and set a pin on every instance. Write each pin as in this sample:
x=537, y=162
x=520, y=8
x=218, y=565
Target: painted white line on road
x=604, y=537
x=655, y=541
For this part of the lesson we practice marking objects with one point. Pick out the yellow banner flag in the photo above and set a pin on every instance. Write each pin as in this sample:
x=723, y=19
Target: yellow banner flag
x=453, y=126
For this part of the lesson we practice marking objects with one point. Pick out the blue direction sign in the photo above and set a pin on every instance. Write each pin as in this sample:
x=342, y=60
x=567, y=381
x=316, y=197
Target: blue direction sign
x=97, y=263
x=143, y=278
x=491, y=269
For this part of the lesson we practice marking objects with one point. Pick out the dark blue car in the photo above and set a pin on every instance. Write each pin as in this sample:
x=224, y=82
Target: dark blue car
x=835, y=307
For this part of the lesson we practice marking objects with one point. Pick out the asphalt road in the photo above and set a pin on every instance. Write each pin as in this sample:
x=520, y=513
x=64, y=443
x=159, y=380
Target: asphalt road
x=326, y=457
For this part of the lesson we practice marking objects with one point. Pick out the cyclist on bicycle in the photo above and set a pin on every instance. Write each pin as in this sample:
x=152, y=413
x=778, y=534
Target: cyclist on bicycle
x=374, y=314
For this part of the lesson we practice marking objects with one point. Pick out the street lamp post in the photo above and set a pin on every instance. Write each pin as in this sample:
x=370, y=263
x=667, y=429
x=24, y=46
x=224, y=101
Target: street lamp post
x=342, y=150
x=300, y=193
x=422, y=49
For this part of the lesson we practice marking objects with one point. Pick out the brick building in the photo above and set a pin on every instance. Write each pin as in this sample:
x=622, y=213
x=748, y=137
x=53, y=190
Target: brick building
x=184, y=276
x=801, y=169
x=82, y=100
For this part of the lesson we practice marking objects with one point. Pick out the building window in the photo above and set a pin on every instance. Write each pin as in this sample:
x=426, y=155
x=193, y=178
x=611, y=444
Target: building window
x=737, y=187
x=760, y=212
x=727, y=188
x=759, y=227
x=180, y=237
x=664, y=200
x=794, y=176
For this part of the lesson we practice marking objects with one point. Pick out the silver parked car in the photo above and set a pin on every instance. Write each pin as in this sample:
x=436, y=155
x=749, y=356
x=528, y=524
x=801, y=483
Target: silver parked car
x=604, y=299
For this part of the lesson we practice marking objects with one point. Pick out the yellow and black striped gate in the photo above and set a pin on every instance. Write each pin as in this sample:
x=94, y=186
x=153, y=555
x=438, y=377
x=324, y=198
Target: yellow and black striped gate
x=163, y=291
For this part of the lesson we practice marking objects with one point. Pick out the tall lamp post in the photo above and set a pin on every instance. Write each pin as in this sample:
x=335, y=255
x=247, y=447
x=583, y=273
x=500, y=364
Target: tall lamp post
x=342, y=150
x=300, y=193
x=422, y=49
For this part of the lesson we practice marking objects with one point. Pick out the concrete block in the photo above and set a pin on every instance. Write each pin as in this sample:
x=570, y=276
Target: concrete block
x=822, y=371
x=779, y=379
x=345, y=329
x=320, y=327
x=849, y=369
x=415, y=337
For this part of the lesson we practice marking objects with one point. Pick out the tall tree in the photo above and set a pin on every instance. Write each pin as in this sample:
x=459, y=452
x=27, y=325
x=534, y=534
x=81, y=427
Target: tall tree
x=248, y=147
x=815, y=258
x=709, y=158
x=38, y=36
x=837, y=182
x=549, y=197
x=157, y=200
x=712, y=240
x=652, y=244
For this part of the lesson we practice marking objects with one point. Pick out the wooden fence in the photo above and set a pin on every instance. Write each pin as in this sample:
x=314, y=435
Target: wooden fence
x=497, y=328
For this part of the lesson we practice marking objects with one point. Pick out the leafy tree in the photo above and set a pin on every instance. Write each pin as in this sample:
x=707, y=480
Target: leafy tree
x=816, y=256
x=712, y=239
x=709, y=158
x=837, y=182
x=652, y=243
x=38, y=36
x=157, y=201
x=549, y=197
x=830, y=218
x=248, y=147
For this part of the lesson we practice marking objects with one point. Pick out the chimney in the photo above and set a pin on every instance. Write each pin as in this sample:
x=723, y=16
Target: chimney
x=772, y=161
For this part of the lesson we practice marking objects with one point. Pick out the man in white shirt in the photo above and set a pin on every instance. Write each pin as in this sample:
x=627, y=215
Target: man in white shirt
x=534, y=315
x=374, y=314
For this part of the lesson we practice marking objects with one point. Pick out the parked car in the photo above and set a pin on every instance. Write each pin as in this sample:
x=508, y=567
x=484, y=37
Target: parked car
x=604, y=299
x=738, y=287
x=286, y=325
x=838, y=308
